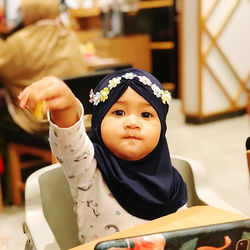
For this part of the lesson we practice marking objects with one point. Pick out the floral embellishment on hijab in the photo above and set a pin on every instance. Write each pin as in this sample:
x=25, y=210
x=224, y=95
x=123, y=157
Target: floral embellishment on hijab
x=96, y=99
x=165, y=96
x=91, y=96
x=114, y=82
x=102, y=96
x=146, y=81
x=156, y=90
x=129, y=76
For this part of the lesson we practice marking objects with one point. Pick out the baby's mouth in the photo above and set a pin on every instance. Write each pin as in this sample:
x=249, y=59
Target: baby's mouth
x=132, y=137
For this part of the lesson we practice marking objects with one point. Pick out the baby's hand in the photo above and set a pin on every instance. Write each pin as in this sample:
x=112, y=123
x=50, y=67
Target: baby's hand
x=56, y=95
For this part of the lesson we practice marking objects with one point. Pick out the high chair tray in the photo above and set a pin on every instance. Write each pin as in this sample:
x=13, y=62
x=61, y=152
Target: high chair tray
x=232, y=235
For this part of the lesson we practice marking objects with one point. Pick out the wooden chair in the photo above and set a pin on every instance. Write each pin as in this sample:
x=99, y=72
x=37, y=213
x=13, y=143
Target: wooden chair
x=25, y=151
x=16, y=152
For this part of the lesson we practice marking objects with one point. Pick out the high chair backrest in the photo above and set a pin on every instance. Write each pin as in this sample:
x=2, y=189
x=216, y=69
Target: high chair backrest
x=51, y=223
x=184, y=168
x=50, y=220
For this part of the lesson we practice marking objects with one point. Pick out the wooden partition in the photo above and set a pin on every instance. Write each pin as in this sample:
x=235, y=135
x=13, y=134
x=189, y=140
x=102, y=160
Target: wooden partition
x=214, y=58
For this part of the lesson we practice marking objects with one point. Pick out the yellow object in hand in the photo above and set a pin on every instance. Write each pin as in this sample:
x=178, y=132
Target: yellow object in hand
x=39, y=111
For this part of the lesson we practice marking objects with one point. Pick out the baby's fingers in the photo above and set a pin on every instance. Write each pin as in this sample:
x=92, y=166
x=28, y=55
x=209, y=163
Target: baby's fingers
x=24, y=98
x=37, y=92
x=27, y=100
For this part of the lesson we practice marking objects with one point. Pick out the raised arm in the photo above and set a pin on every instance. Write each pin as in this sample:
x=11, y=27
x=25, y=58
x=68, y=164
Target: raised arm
x=68, y=139
x=59, y=100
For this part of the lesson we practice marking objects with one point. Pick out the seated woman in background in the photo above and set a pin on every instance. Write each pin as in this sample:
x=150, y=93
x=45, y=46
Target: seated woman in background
x=42, y=47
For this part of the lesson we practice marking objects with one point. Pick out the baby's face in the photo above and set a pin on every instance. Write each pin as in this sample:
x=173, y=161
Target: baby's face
x=131, y=128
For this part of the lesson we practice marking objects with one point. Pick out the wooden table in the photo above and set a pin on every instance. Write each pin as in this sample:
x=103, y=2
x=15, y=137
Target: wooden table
x=191, y=217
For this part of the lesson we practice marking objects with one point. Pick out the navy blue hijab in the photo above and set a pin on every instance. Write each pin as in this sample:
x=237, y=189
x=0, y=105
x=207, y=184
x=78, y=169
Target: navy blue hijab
x=147, y=188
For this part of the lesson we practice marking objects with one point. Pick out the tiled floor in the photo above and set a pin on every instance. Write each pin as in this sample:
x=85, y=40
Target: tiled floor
x=11, y=233
x=218, y=146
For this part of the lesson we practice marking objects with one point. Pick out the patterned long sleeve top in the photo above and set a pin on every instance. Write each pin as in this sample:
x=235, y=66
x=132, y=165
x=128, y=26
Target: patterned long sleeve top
x=98, y=212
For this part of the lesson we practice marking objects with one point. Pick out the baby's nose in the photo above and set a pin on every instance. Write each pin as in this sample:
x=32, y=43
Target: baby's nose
x=132, y=122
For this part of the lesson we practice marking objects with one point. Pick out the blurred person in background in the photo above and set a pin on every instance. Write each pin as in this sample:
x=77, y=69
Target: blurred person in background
x=42, y=47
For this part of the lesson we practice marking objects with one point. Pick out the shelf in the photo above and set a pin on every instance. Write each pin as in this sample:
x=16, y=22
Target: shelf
x=155, y=4
x=162, y=45
x=84, y=13
x=96, y=11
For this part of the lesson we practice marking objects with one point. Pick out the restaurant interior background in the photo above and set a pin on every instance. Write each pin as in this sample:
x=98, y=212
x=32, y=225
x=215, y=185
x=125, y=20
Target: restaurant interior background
x=198, y=49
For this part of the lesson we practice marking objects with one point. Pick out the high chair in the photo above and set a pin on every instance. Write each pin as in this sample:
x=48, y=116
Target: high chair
x=50, y=222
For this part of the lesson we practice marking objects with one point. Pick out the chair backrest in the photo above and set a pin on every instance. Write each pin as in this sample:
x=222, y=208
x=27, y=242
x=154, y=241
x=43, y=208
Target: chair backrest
x=57, y=205
x=186, y=172
x=50, y=221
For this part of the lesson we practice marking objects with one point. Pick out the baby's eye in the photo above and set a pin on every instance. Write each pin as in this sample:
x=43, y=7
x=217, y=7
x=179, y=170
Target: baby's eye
x=119, y=112
x=146, y=115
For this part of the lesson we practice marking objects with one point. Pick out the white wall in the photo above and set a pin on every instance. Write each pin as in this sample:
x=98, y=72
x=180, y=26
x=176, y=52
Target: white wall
x=234, y=43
